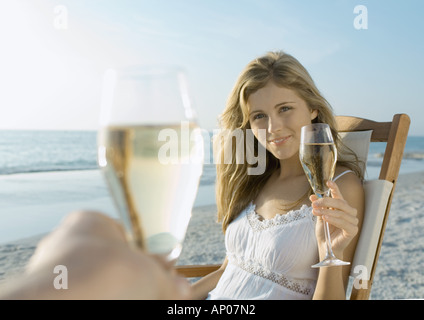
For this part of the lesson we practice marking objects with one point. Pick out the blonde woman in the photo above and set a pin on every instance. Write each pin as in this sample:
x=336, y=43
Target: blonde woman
x=273, y=224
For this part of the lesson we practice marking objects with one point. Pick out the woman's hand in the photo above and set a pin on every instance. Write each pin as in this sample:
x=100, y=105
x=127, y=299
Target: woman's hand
x=341, y=217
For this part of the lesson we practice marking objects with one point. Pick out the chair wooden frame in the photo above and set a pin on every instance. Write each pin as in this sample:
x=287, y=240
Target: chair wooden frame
x=394, y=133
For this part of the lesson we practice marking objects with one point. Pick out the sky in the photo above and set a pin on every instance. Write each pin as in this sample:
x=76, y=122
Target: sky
x=367, y=63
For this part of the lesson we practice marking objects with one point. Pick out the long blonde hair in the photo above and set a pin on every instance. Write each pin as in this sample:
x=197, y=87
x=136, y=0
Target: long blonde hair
x=235, y=189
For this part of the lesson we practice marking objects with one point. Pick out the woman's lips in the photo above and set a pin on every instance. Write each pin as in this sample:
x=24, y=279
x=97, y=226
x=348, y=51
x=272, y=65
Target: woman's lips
x=279, y=141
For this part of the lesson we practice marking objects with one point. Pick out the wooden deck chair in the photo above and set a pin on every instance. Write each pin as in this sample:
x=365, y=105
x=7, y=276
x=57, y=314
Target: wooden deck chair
x=357, y=133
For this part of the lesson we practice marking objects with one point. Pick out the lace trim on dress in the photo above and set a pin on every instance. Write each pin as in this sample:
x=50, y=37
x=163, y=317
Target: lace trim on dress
x=302, y=286
x=294, y=215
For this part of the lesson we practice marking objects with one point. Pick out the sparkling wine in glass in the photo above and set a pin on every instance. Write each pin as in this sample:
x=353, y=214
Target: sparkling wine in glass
x=150, y=150
x=318, y=155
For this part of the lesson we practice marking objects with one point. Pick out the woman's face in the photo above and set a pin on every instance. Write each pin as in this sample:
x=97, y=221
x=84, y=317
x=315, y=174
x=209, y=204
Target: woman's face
x=282, y=113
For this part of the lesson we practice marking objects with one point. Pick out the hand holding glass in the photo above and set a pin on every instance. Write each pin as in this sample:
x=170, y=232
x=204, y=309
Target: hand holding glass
x=151, y=153
x=318, y=155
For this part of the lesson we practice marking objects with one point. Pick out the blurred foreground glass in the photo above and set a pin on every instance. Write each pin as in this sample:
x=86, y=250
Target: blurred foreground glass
x=150, y=150
x=318, y=155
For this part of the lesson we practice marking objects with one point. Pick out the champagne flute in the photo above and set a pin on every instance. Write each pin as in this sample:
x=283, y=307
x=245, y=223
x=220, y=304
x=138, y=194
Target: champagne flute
x=318, y=155
x=150, y=151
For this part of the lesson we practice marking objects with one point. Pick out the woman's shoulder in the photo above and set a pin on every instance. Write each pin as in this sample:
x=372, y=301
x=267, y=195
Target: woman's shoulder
x=344, y=175
x=343, y=171
x=347, y=179
x=351, y=188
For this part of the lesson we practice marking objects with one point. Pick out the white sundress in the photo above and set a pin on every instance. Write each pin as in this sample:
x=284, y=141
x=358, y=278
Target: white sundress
x=270, y=259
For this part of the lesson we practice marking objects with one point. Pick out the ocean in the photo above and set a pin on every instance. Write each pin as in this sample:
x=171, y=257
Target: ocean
x=45, y=151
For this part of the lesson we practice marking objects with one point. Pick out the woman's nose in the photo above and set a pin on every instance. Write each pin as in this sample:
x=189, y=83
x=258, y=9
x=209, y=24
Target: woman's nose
x=274, y=125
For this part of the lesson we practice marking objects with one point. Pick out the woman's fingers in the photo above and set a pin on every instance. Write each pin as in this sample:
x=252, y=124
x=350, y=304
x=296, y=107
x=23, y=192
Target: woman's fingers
x=336, y=211
x=330, y=212
x=336, y=202
x=335, y=191
x=349, y=228
x=313, y=198
x=333, y=204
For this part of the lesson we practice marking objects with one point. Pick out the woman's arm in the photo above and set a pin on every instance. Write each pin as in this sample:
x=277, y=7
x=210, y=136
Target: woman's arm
x=344, y=213
x=201, y=288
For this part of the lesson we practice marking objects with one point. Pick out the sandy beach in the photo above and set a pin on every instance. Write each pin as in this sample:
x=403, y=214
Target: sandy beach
x=399, y=273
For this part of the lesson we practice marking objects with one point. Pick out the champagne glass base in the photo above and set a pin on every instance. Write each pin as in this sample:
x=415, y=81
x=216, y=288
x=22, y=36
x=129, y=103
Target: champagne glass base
x=164, y=244
x=330, y=262
x=175, y=253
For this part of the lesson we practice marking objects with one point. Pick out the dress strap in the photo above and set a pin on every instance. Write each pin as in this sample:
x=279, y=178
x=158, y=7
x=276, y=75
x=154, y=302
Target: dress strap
x=342, y=174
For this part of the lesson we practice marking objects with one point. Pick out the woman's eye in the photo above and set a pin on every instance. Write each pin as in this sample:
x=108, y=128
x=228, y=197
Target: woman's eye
x=258, y=116
x=285, y=108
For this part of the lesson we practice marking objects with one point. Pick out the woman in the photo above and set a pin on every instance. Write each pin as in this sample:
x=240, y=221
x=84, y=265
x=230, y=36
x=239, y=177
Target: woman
x=273, y=224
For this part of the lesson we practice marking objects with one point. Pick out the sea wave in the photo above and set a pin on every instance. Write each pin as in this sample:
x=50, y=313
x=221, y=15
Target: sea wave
x=47, y=167
x=407, y=155
x=373, y=163
x=208, y=177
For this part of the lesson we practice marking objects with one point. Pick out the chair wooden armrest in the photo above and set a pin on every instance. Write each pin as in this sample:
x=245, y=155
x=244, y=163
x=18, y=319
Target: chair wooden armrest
x=194, y=271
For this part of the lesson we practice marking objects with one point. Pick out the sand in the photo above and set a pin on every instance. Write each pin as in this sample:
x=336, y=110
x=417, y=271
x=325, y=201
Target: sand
x=399, y=272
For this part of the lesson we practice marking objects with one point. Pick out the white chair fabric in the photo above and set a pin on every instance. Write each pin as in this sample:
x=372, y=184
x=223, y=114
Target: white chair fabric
x=377, y=193
x=358, y=142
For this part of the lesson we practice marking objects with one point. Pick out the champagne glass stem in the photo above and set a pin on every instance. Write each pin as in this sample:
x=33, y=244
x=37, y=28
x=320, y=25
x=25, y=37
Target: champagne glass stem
x=328, y=240
x=329, y=249
x=330, y=259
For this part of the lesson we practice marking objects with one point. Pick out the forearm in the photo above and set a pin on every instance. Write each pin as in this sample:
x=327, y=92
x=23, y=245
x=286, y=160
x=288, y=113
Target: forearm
x=330, y=284
x=202, y=287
